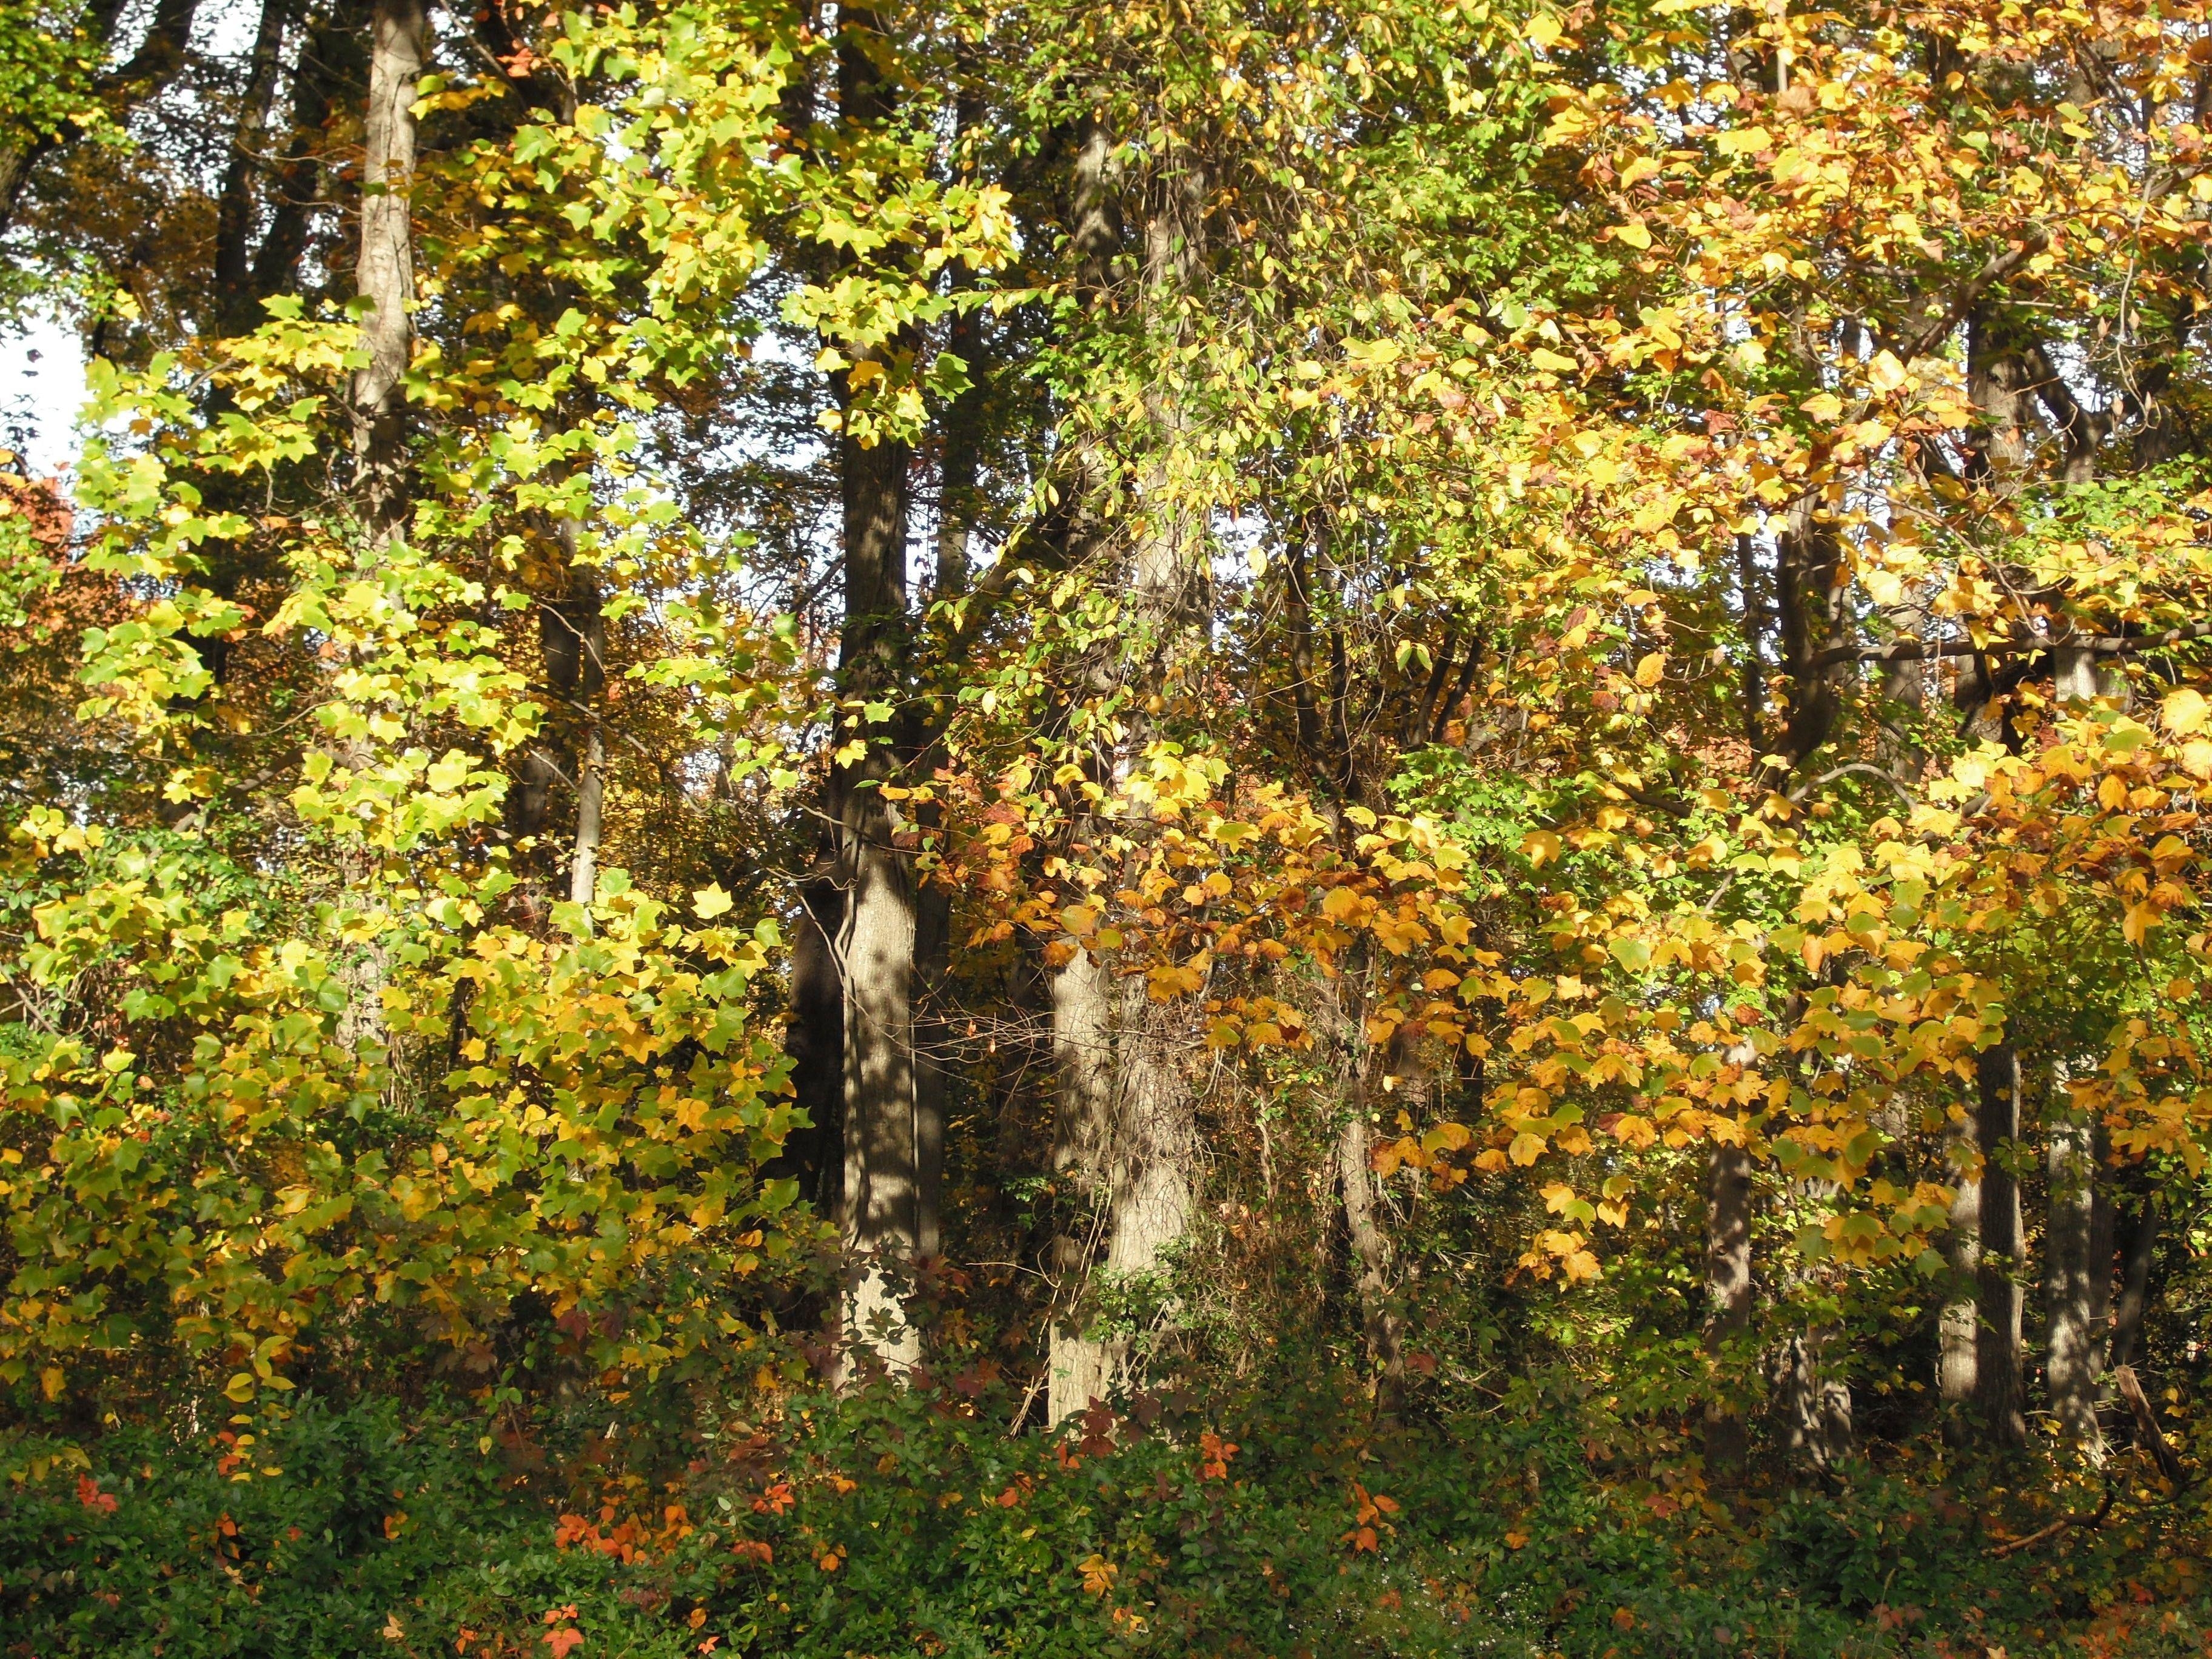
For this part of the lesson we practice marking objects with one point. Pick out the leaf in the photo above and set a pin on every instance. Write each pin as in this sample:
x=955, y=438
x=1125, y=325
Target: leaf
x=1098, y=1574
x=1539, y=846
x=708, y=903
x=2184, y=711
x=1885, y=373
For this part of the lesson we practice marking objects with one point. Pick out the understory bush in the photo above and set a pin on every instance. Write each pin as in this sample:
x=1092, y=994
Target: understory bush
x=896, y=1523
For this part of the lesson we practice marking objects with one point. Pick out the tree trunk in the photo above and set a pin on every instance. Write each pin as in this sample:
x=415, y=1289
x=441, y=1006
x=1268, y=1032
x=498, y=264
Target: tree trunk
x=327, y=55
x=932, y=956
x=1297, y=597
x=590, y=793
x=1381, y=1322
x=1150, y=1147
x=883, y=1223
x=2134, y=1285
x=591, y=631
x=2069, y=1272
x=1156, y=1147
x=815, y=1040
x=1814, y=1411
x=1728, y=1297
x=384, y=274
x=1082, y=1363
x=236, y=300
x=1998, y=1390
x=1955, y=1367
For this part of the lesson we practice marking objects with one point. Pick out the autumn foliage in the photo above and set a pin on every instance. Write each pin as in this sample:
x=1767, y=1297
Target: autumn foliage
x=962, y=828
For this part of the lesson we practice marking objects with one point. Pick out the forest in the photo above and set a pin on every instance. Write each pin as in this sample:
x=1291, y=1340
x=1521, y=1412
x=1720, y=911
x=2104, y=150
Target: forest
x=955, y=828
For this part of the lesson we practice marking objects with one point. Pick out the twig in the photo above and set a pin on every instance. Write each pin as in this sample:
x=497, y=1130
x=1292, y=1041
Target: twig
x=1802, y=790
x=2012, y=1546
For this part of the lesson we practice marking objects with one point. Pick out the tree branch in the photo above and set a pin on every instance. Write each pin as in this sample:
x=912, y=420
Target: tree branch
x=2103, y=644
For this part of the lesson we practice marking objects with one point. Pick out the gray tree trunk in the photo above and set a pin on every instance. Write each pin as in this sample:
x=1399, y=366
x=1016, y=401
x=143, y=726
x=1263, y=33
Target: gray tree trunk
x=1814, y=1411
x=1381, y=1322
x=1998, y=1389
x=1728, y=1296
x=2134, y=1285
x=1961, y=1320
x=883, y=1226
x=1150, y=1147
x=1081, y=1365
x=2071, y=1358
x=590, y=630
x=385, y=273
x=385, y=276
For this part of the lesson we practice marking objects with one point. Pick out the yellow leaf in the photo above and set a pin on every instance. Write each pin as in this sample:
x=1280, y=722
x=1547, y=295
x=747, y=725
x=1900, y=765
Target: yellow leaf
x=1526, y=1148
x=2183, y=711
x=1633, y=233
x=1542, y=31
x=1885, y=373
x=1539, y=847
x=1652, y=667
x=710, y=901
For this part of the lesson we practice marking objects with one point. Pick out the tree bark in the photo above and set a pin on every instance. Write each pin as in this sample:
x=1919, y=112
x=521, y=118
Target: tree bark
x=588, y=623
x=1814, y=1410
x=236, y=300
x=328, y=56
x=1381, y=1322
x=2070, y=1270
x=1998, y=1390
x=815, y=1040
x=1150, y=1147
x=884, y=1226
x=1297, y=597
x=2134, y=1285
x=1728, y=1297
x=385, y=277
x=385, y=273
x=1081, y=1363
x=1962, y=1321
